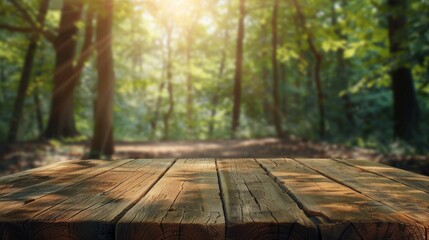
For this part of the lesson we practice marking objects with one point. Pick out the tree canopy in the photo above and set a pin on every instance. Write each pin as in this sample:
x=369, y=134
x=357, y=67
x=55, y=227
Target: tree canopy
x=355, y=72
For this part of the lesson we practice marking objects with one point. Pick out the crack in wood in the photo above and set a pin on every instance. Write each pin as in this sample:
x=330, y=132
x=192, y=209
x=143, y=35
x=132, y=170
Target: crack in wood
x=221, y=195
x=126, y=209
x=310, y=214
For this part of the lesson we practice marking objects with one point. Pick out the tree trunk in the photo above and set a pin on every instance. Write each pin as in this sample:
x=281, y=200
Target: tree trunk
x=26, y=75
x=304, y=79
x=170, y=110
x=267, y=104
x=87, y=46
x=215, y=100
x=189, y=97
x=38, y=109
x=309, y=80
x=405, y=106
x=154, y=121
x=238, y=72
x=2, y=89
x=1, y=83
x=284, y=97
x=317, y=68
x=102, y=142
x=275, y=93
x=320, y=96
x=341, y=68
x=61, y=120
x=161, y=86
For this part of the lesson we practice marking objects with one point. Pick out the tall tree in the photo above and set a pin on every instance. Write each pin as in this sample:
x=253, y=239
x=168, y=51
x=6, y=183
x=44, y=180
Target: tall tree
x=102, y=141
x=61, y=121
x=154, y=119
x=189, y=76
x=167, y=115
x=215, y=98
x=38, y=110
x=341, y=67
x=189, y=80
x=318, y=66
x=2, y=80
x=87, y=47
x=238, y=70
x=26, y=74
x=66, y=74
x=405, y=106
x=275, y=94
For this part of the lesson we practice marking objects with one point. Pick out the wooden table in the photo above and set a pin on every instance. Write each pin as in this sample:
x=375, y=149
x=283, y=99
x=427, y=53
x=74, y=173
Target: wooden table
x=215, y=199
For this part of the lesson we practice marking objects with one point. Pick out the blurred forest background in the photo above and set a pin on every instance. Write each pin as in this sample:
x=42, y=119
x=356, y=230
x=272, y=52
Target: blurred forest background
x=317, y=78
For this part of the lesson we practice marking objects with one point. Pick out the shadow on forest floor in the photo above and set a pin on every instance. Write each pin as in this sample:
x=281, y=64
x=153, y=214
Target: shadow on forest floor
x=25, y=156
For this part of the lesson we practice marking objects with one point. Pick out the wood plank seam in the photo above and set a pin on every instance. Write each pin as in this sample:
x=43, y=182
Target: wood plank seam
x=398, y=224
x=221, y=195
x=343, y=161
x=310, y=215
x=272, y=215
x=268, y=172
x=76, y=183
x=125, y=210
x=162, y=222
x=132, y=171
x=356, y=190
x=184, y=204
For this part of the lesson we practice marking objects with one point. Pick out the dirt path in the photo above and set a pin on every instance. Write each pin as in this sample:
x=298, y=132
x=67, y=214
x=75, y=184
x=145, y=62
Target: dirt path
x=25, y=156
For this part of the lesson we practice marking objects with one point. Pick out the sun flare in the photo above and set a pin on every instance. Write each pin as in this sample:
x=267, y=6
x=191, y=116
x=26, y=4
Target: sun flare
x=177, y=12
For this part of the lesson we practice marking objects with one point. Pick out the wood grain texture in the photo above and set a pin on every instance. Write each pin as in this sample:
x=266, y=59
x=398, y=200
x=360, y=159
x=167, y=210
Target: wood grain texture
x=411, y=179
x=410, y=201
x=25, y=179
x=13, y=176
x=214, y=199
x=184, y=204
x=87, y=209
x=59, y=177
x=339, y=211
x=256, y=208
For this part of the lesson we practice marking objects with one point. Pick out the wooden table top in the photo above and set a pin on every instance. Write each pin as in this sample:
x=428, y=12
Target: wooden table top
x=215, y=199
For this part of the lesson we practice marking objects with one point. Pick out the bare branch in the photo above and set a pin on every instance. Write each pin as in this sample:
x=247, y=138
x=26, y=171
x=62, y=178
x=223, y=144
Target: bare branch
x=37, y=26
x=18, y=29
x=88, y=44
x=24, y=13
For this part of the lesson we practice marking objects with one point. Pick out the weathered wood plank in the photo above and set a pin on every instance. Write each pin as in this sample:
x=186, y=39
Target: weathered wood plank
x=410, y=201
x=50, y=179
x=34, y=176
x=340, y=212
x=414, y=180
x=256, y=208
x=6, y=178
x=184, y=204
x=87, y=209
x=84, y=200
x=17, y=198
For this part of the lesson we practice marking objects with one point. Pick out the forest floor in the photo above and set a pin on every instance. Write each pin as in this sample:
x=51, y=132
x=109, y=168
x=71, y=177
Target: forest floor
x=23, y=156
